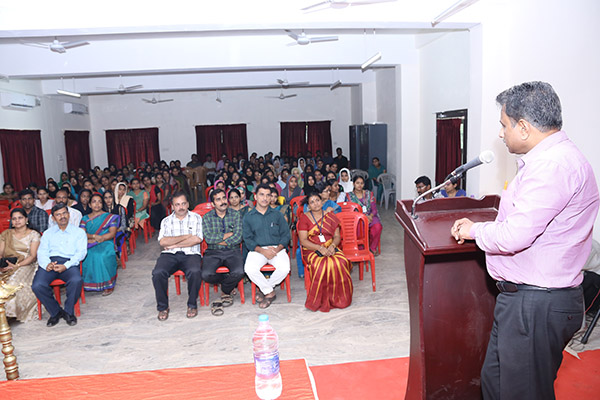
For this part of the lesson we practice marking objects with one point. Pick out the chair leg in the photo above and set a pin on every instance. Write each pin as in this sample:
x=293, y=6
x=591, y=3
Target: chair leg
x=241, y=290
x=177, y=285
x=57, y=294
x=39, y=305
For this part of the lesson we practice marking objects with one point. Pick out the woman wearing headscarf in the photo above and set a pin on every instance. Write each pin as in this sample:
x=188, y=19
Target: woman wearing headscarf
x=309, y=184
x=292, y=189
x=298, y=174
x=346, y=180
x=301, y=164
x=122, y=198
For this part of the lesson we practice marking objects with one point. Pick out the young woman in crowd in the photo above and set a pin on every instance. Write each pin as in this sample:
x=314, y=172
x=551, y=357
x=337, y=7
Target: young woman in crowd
x=337, y=193
x=100, y=264
x=43, y=200
x=141, y=199
x=19, y=245
x=319, y=234
x=346, y=180
x=292, y=189
x=155, y=205
x=450, y=190
x=298, y=174
x=111, y=206
x=366, y=200
x=52, y=189
x=122, y=198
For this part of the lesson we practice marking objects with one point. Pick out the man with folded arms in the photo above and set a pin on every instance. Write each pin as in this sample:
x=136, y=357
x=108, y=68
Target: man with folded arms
x=62, y=248
x=266, y=235
x=222, y=229
x=536, y=247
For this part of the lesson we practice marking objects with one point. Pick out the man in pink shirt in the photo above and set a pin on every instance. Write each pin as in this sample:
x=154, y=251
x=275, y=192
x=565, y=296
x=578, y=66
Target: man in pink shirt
x=536, y=247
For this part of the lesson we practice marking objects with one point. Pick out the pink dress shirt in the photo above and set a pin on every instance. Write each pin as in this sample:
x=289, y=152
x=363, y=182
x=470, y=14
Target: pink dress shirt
x=542, y=235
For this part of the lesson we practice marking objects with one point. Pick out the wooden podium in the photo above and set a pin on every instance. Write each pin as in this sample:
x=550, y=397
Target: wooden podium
x=451, y=298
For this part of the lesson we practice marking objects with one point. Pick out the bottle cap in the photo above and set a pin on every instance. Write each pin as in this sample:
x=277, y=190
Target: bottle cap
x=263, y=318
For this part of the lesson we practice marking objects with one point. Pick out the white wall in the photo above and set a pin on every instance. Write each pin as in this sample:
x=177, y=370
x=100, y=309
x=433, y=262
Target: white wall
x=176, y=119
x=386, y=111
x=49, y=118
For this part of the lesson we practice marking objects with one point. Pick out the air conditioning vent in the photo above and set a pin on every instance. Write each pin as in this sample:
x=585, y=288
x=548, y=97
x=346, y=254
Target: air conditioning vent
x=75, y=108
x=17, y=101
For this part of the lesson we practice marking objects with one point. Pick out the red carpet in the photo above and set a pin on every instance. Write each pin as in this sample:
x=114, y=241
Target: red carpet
x=386, y=379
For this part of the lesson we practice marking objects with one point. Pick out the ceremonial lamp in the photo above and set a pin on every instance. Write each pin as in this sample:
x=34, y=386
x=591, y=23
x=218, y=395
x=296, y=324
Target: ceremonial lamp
x=10, y=361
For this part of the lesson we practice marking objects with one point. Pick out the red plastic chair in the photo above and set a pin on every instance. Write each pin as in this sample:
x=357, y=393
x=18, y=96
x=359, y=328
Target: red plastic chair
x=284, y=285
x=355, y=241
x=56, y=284
x=15, y=204
x=295, y=206
x=206, y=286
x=203, y=208
x=350, y=206
x=179, y=274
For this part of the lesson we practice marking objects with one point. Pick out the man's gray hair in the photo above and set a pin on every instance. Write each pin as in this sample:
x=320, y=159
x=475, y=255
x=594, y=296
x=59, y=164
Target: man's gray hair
x=536, y=102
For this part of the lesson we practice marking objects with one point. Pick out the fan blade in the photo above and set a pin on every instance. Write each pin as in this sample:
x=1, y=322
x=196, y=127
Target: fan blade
x=282, y=81
x=56, y=49
x=314, y=5
x=107, y=88
x=134, y=87
x=297, y=84
x=70, y=45
x=36, y=44
x=323, y=39
x=292, y=35
x=367, y=2
x=164, y=101
x=287, y=96
x=147, y=101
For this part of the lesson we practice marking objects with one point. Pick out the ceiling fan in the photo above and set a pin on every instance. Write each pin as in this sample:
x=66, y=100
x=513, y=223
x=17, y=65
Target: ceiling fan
x=343, y=4
x=282, y=96
x=302, y=39
x=122, y=89
x=56, y=46
x=154, y=100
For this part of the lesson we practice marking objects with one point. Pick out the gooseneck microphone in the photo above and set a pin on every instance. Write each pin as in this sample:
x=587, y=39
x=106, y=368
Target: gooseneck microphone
x=485, y=157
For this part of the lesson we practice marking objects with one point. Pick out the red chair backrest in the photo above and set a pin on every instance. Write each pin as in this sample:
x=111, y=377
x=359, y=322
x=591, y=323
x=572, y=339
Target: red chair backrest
x=202, y=208
x=350, y=206
x=295, y=206
x=354, y=229
x=15, y=204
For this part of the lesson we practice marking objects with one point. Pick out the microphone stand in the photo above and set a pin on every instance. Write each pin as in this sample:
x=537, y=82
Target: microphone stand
x=452, y=178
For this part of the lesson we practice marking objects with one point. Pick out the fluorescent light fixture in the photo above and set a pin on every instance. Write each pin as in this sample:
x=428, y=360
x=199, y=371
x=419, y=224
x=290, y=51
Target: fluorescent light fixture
x=67, y=93
x=371, y=61
x=335, y=84
x=459, y=6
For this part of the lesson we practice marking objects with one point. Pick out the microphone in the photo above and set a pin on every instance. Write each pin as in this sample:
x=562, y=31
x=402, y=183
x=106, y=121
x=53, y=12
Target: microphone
x=486, y=157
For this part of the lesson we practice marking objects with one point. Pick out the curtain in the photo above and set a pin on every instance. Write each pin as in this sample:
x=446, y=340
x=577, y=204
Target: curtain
x=22, y=158
x=132, y=145
x=77, y=145
x=448, y=151
x=319, y=137
x=293, y=138
x=219, y=139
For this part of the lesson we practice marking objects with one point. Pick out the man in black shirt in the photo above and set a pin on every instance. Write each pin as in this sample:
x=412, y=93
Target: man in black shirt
x=36, y=217
x=340, y=160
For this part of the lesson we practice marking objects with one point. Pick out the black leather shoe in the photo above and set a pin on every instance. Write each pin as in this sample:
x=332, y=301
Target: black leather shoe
x=53, y=320
x=71, y=319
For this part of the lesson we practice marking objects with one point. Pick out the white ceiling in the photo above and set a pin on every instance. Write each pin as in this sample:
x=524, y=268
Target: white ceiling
x=209, y=45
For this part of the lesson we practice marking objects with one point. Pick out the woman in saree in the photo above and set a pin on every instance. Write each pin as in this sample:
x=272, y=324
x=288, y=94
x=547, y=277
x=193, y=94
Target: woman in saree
x=20, y=244
x=100, y=264
x=319, y=233
x=366, y=200
x=141, y=199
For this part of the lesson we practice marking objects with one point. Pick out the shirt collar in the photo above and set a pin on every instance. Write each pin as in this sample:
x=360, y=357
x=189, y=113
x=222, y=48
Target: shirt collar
x=542, y=146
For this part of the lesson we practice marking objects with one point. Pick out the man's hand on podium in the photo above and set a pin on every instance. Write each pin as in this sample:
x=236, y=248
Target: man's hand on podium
x=461, y=230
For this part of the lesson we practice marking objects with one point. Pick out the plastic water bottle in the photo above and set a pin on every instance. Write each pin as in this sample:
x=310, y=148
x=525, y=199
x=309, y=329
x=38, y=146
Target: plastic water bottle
x=265, y=343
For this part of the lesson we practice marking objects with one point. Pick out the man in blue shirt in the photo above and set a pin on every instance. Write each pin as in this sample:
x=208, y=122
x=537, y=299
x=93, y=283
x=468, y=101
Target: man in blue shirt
x=266, y=235
x=62, y=248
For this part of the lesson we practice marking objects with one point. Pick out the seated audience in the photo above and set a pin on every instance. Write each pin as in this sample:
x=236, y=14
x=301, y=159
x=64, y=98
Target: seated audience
x=366, y=200
x=52, y=189
x=292, y=189
x=155, y=206
x=62, y=247
x=100, y=264
x=337, y=193
x=234, y=197
x=62, y=197
x=309, y=183
x=423, y=184
x=211, y=167
x=44, y=201
x=126, y=201
x=296, y=172
x=345, y=180
x=329, y=270
x=64, y=177
x=141, y=199
x=266, y=234
x=340, y=160
x=450, y=190
x=195, y=162
x=324, y=190
x=37, y=218
x=222, y=230
x=83, y=205
x=376, y=169
x=180, y=237
x=18, y=248
x=8, y=193
x=123, y=228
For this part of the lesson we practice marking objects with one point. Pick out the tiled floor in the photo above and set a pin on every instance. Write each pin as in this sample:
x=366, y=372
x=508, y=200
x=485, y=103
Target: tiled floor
x=120, y=332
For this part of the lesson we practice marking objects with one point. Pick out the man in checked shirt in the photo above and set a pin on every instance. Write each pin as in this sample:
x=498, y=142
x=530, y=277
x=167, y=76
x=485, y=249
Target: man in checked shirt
x=180, y=237
x=222, y=228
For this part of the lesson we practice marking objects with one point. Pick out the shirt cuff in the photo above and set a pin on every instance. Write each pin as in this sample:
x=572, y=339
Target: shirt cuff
x=474, y=230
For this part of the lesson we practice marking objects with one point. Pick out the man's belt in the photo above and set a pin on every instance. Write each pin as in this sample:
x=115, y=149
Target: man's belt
x=509, y=287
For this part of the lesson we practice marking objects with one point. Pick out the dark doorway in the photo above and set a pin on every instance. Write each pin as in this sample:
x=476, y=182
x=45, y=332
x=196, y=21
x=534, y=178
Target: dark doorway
x=451, y=144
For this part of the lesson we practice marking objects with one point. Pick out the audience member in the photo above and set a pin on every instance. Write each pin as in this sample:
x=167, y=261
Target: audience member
x=18, y=247
x=63, y=246
x=366, y=200
x=155, y=206
x=8, y=193
x=114, y=208
x=194, y=163
x=211, y=168
x=292, y=189
x=337, y=193
x=180, y=236
x=341, y=160
x=52, y=189
x=450, y=190
x=83, y=205
x=100, y=264
x=266, y=234
x=44, y=201
x=376, y=169
x=423, y=184
x=141, y=199
x=222, y=229
x=329, y=270
x=345, y=180
x=36, y=217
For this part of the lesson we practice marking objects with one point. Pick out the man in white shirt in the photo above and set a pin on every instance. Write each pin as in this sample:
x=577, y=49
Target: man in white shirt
x=180, y=236
x=62, y=197
x=210, y=166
